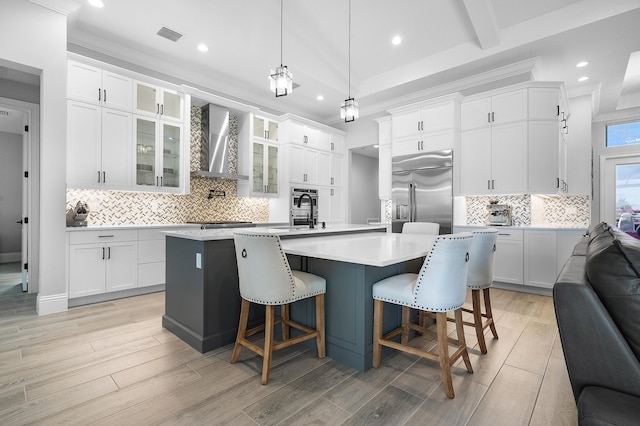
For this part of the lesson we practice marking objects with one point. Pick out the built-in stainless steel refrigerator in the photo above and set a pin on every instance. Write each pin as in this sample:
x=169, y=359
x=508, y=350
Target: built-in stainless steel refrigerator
x=422, y=190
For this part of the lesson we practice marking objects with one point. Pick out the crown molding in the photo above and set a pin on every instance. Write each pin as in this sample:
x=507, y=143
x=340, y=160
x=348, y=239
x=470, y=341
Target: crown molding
x=64, y=7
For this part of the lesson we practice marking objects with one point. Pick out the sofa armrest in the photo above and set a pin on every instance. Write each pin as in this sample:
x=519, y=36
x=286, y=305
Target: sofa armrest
x=595, y=352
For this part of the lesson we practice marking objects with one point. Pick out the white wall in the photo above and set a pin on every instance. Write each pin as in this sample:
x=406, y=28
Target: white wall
x=364, y=200
x=10, y=196
x=39, y=41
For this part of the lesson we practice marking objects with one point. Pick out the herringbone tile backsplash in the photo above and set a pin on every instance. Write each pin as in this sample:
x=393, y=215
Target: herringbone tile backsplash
x=133, y=208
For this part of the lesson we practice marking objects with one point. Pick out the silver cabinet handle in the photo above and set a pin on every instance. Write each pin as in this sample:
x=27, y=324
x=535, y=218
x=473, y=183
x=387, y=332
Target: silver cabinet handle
x=102, y=253
x=488, y=183
x=493, y=186
x=105, y=94
x=105, y=236
x=99, y=94
x=493, y=116
x=98, y=176
x=104, y=177
x=108, y=252
x=488, y=117
x=157, y=108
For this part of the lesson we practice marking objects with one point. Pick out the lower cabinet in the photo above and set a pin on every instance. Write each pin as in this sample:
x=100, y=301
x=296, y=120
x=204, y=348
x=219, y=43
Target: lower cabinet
x=101, y=262
x=330, y=205
x=508, y=263
x=151, y=257
x=540, y=258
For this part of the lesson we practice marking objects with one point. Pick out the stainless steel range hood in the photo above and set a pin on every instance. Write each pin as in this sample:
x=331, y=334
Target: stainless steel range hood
x=216, y=151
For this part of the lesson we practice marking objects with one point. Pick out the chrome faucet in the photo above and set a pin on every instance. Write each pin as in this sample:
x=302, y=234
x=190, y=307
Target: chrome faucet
x=311, y=208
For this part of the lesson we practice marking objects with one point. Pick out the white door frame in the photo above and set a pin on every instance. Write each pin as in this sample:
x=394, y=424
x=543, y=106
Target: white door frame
x=607, y=178
x=31, y=187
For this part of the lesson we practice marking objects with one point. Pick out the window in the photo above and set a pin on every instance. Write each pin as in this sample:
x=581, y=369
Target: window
x=623, y=134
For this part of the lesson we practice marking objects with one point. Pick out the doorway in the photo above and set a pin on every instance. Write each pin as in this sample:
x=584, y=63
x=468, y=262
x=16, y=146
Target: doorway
x=15, y=192
x=620, y=192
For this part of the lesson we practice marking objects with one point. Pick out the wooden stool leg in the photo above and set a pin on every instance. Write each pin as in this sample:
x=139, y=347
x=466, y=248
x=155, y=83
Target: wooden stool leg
x=284, y=310
x=461, y=339
x=477, y=320
x=378, y=306
x=487, y=307
x=268, y=344
x=443, y=353
x=322, y=351
x=406, y=315
x=242, y=329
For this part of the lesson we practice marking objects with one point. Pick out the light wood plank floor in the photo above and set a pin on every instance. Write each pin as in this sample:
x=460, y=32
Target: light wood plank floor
x=113, y=364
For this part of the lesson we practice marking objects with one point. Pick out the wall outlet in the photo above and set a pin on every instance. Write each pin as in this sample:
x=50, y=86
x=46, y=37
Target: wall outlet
x=198, y=260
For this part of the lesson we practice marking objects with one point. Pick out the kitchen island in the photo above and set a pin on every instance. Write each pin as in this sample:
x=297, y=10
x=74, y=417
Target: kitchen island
x=202, y=299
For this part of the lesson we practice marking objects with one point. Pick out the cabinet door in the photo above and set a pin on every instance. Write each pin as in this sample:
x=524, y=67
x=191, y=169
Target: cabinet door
x=84, y=82
x=116, y=149
x=146, y=99
x=336, y=170
x=296, y=164
x=86, y=269
x=475, y=114
x=565, y=243
x=324, y=205
x=121, y=266
x=544, y=156
x=264, y=128
x=324, y=169
x=151, y=274
x=171, y=148
x=258, y=166
x=84, y=157
x=323, y=140
x=406, y=124
x=384, y=168
x=509, y=107
x=407, y=145
x=170, y=105
x=509, y=158
x=544, y=103
x=311, y=166
x=540, y=258
x=271, y=170
x=337, y=143
x=117, y=91
x=337, y=205
x=475, y=162
x=508, y=261
x=438, y=117
x=145, y=133
x=438, y=140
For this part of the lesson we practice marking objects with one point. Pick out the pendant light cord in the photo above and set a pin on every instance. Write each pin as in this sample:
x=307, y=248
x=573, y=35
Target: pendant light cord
x=281, y=26
x=349, y=49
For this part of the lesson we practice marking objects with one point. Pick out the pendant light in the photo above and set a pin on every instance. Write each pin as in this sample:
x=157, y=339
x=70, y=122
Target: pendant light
x=281, y=79
x=349, y=108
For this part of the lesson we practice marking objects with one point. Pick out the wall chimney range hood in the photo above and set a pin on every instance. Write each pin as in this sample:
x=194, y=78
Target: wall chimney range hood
x=216, y=150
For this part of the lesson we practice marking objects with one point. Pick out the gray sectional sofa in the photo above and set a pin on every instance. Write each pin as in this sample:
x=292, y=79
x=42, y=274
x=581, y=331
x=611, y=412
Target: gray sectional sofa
x=597, y=303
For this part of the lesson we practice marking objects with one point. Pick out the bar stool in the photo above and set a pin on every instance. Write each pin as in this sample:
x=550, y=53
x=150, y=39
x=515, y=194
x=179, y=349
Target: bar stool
x=439, y=287
x=480, y=277
x=421, y=228
x=266, y=278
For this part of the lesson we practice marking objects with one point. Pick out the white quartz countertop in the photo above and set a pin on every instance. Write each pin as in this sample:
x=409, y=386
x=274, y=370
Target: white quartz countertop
x=227, y=233
x=530, y=228
x=184, y=226
x=374, y=249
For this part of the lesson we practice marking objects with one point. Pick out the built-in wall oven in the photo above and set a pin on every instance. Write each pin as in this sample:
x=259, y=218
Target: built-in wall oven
x=302, y=215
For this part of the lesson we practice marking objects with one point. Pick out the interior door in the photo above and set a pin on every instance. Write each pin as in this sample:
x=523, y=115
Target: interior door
x=25, y=206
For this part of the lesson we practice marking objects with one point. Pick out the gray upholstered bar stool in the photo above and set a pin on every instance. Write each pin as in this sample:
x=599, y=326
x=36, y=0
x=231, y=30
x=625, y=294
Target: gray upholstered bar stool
x=430, y=228
x=266, y=278
x=439, y=287
x=480, y=277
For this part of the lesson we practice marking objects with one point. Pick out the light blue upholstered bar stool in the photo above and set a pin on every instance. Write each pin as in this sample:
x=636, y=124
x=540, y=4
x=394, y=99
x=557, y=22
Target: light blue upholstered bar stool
x=439, y=287
x=429, y=228
x=266, y=278
x=480, y=278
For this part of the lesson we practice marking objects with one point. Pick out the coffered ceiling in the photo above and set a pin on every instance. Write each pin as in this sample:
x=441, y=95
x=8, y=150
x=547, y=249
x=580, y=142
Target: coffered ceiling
x=447, y=45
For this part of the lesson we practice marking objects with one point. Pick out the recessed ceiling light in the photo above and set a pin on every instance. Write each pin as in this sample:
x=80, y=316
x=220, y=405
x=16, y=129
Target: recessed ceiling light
x=203, y=47
x=585, y=78
x=396, y=40
x=376, y=146
x=582, y=64
x=320, y=98
x=96, y=3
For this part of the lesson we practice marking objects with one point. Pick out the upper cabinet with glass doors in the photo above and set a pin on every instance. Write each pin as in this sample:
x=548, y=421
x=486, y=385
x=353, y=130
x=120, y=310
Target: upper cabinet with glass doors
x=156, y=101
x=265, y=128
x=158, y=159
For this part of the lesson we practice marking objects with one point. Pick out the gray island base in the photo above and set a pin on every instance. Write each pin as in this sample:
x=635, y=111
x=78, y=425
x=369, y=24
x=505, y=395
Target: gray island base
x=203, y=300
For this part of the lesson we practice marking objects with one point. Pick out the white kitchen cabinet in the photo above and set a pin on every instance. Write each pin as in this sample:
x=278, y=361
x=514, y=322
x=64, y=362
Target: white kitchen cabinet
x=384, y=172
x=102, y=262
x=265, y=166
x=158, y=153
x=540, y=258
x=98, y=147
x=493, y=160
x=159, y=102
x=303, y=165
x=494, y=110
x=303, y=135
x=433, y=117
x=544, y=103
x=547, y=165
x=94, y=85
x=426, y=142
x=336, y=170
x=509, y=258
x=325, y=174
x=330, y=205
x=566, y=241
x=337, y=143
x=265, y=128
x=151, y=257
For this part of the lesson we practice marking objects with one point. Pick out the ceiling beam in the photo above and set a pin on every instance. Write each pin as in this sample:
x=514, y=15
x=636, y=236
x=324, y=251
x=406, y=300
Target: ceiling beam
x=484, y=22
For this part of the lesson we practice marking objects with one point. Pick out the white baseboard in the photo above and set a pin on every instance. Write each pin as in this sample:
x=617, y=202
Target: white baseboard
x=10, y=257
x=52, y=304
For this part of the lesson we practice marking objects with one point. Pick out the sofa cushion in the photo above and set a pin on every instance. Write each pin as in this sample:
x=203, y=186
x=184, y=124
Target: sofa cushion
x=601, y=406
x=613, y=264
x=597, y=230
